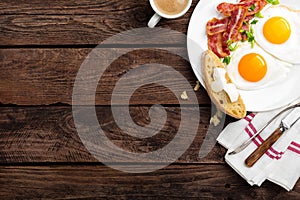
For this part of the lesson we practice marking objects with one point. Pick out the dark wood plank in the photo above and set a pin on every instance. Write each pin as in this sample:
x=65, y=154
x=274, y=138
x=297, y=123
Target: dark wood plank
x=94, y=182
x=46, y=76
x=88, y=22
x=48, y=134
x=71, y=7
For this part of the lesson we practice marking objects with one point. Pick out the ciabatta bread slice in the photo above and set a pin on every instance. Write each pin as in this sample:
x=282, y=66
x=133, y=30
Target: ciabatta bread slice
x=235, y=109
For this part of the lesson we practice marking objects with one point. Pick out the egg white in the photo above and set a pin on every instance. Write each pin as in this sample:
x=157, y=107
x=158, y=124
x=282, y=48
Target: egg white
x=277, y=70
x=288, y=51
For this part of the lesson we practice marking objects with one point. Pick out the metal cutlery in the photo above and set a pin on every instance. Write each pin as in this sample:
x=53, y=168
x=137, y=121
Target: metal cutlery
x=287, y=123
x=246, y=143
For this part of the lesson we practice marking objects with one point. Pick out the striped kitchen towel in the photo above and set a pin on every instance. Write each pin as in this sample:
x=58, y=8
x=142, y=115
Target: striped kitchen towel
x=280, y=164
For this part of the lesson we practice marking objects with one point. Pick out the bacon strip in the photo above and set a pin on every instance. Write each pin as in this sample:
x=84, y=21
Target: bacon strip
x=235, y=24
x=227, y=8
x=259, y=5
x=216, y=44
x=248, y=18
x=245, y=27
x=237, y=18
x=216, y=26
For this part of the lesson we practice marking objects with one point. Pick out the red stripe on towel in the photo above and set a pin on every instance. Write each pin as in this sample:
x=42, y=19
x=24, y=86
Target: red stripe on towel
x=277, y=157
x=251, y=126
x=294, y=150
x=296, y=144
x=249, y=117
x=250, y=135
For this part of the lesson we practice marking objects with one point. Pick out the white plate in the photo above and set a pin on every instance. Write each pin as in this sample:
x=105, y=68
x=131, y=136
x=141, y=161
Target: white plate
x=264, y=99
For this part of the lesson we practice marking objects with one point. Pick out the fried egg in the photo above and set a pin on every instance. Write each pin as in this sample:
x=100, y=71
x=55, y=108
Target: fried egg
x=278, y=33
x=251, y=68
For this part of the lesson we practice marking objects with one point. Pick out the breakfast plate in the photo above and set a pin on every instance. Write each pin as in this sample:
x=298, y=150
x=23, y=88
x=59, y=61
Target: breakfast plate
x=271, y=97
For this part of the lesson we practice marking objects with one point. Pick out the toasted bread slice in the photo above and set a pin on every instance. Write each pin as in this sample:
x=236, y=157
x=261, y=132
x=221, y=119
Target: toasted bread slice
x=235, y=109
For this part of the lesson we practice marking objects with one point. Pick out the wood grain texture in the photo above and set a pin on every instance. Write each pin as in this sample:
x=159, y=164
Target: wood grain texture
x=42, y=46
x=46, y=76
x=73, y=22
x=95, y=182
x=71, y=7
x=48, y=134
x=263, y=148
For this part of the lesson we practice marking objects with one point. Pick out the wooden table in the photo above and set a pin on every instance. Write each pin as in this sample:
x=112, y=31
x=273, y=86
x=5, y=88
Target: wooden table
x=42, y=46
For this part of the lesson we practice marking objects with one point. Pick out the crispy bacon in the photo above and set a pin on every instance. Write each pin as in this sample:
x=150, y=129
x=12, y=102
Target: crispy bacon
x=235, y=24
x=215, y=26
x=263, y=3
x=227, y=8
x=217, y=45
x=248, y=18
x=245, y=27
x=237, y=18
x=258, y=6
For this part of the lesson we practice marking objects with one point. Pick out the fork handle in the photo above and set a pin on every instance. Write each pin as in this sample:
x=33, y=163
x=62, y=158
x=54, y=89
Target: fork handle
x=261, y=150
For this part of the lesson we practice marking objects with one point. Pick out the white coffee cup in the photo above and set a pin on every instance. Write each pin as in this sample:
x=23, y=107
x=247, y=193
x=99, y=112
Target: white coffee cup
x=159, y=14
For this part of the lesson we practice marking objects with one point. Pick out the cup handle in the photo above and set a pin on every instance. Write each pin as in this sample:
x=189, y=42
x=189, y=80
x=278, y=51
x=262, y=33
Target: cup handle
x=154, y=20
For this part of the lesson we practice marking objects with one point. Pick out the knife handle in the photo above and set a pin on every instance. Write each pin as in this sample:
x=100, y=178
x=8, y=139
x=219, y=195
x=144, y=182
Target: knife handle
x=263, y=148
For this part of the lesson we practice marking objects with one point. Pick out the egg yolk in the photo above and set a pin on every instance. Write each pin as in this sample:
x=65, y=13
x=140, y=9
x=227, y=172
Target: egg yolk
x=277, y=30
x=252, y=67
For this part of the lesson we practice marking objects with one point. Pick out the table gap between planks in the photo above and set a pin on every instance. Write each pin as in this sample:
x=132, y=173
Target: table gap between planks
x=42, y=46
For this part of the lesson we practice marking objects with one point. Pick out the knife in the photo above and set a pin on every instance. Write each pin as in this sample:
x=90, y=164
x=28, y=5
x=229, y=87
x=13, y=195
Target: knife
x=288, y=122
x=246, y=143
